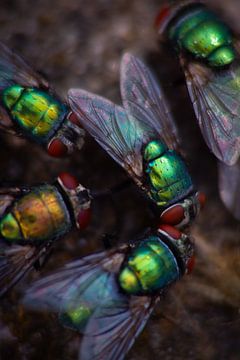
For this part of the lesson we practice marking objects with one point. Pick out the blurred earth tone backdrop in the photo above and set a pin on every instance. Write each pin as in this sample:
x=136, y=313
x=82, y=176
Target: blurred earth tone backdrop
x=79, y=44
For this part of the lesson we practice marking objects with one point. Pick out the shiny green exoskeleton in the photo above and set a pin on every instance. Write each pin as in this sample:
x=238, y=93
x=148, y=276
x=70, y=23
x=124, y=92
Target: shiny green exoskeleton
x=35, y=111
x=142, y=137
x=208, y=51
x=109, y=296
x=32, y=219
x=30, y=108
x=42, y=214
x=200, y=32
x=167, y=173
x=151, y=267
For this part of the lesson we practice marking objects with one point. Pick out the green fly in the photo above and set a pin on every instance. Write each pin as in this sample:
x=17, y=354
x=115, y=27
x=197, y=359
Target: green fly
x=209, y=55
x=141, y=136
x=33, y=218
x=30, y=108
x=109, y=296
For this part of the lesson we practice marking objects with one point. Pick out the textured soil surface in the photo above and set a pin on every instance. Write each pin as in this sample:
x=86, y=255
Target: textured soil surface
x=78, y=43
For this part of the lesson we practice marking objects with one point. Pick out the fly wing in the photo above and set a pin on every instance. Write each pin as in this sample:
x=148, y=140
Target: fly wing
x=122, y=137
x=216, y=101
x=8, y=196
x=144, y=100
x=114, y=319
x=115, y=325
x=15, y=261
x=229, y=185
x=14, y=70
x=58, y=291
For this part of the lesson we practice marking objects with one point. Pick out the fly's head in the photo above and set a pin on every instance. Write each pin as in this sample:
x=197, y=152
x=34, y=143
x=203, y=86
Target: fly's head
x=183, y=245
x=79, y=198
x=182, y=213
x=69, y=137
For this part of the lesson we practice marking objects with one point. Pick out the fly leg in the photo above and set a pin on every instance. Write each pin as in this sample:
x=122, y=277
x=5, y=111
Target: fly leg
x=109, y=241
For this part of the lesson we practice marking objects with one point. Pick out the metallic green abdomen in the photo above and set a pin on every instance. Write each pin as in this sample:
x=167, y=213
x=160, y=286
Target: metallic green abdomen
x=167, y=174
x=151, y=267
x=200, y=32
x=35, y=111
x=39, y=215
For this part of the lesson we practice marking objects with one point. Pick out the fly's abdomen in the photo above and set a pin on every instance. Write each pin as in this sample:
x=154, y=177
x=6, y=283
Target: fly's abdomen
x=167, y=174
x=76, y=310
x=40, y=215
x=200, y=32
x=35, y=111
x=151, y=267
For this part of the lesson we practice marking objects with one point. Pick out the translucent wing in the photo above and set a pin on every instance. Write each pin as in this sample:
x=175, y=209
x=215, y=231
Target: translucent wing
x=144, y=100
x=229, y=186
x=8, y=196
x=216, y=101
x=14, y=70
x=15, y=261
x=113, y=328
x=115, y=319
x=53, y=291
x=120, y=136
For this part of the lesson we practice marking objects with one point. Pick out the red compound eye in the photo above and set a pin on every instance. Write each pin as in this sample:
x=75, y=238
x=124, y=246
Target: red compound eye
x=162, y=15
x=170, y=230
x=69, y=181
x=57, y=149
x=190, y=264
x=202, y=199
x=173, y=215
x=83, y=218
x=73, y=118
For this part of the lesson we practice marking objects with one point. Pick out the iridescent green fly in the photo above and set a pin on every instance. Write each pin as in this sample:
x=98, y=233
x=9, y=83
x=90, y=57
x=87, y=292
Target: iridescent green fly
x=32, y=219
x=142, y=138
x=109, y=296
x=30, y=108
x=209, y=54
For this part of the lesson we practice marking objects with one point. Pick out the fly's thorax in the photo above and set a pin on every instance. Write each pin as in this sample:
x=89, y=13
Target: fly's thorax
x=150, y=267
x=182, y=213
x=196, y=29
x=78, y=198
x=36, y=112
x=39, y=215
x=167, y=175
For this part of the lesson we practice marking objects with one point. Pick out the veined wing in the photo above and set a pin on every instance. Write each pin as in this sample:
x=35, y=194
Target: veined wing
x=14, y=70
x=144, y=100
x=216, y=101
x=59, y=290
x=229, y=185
x=115, y=325
x=15, y=261
x=120, y=136
x=114, y=319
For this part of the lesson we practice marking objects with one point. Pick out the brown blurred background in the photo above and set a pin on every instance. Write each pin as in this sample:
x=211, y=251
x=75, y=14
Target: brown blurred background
x=78, y=43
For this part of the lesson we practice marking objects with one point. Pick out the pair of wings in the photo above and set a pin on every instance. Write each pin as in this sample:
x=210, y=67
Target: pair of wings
x=215, y=94
x=123, y=131
x=14, y=70
x=116, y=319
x=16, y=260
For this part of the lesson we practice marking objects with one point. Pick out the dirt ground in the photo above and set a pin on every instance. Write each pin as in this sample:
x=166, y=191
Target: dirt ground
x=79, y=44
